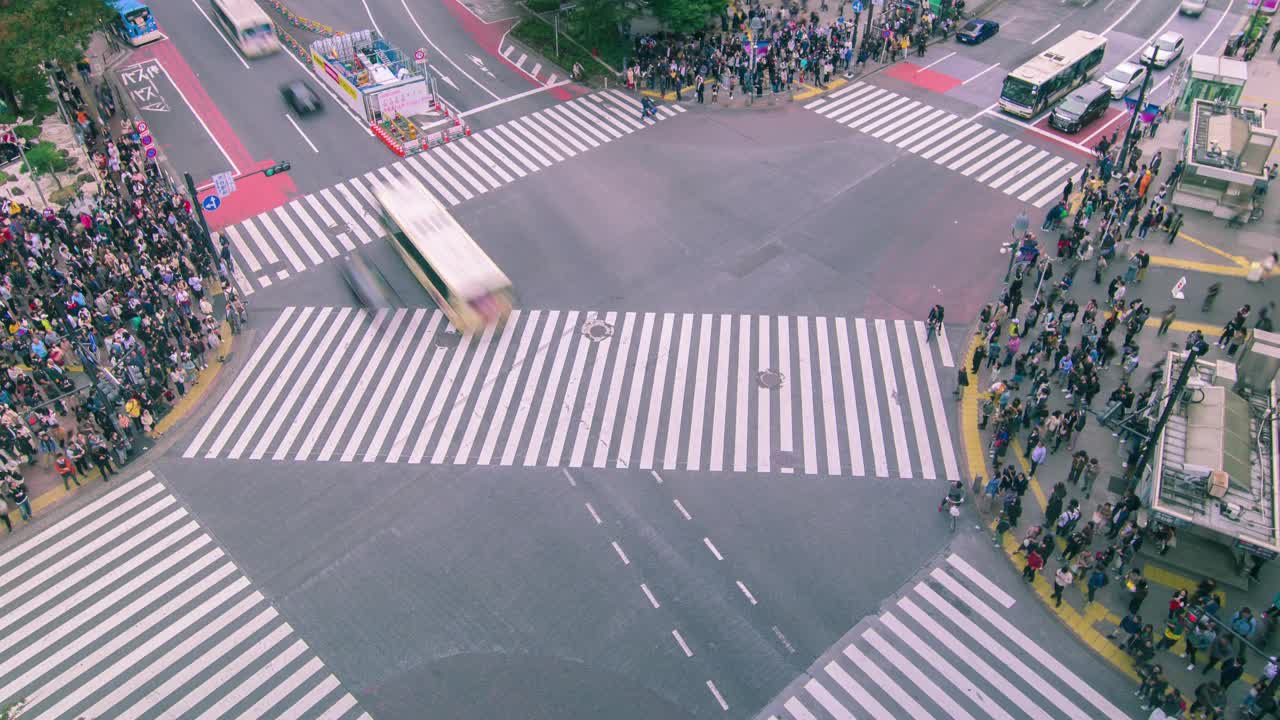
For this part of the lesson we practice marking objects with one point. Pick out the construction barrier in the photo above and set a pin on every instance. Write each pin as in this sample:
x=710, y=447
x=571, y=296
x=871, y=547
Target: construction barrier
x=300, y=22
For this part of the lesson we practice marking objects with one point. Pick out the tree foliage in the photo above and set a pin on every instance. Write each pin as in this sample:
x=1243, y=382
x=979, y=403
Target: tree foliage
x=686, y=16
x=36, y=31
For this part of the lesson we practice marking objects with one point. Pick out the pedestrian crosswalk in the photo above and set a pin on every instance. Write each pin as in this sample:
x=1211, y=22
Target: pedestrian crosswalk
x=718, y=392
x=127, y=609
x=942, y=650
x=987, y=155
x=321, y=226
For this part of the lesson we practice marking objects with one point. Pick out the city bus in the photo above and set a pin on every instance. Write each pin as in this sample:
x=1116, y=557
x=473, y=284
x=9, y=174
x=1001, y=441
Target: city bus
x=1043, y=80
x=459, y=276
x=136, y=23
x=247, y=26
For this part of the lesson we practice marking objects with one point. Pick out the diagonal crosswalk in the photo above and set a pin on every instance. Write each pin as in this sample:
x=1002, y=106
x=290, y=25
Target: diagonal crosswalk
x=943, y=650
x=715, y=392
x=989, y=156
x=127, y=608
x=318, y=227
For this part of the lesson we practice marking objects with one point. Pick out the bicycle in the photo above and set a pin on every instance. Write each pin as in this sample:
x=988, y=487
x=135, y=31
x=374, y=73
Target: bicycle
x=954, y=511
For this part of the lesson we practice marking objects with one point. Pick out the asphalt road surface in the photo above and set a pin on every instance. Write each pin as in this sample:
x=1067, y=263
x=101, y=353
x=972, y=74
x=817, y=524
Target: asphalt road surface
x=695, y=475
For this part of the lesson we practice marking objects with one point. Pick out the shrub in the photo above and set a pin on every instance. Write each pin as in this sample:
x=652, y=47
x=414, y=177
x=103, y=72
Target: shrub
x=45, y=157
x=27, y=132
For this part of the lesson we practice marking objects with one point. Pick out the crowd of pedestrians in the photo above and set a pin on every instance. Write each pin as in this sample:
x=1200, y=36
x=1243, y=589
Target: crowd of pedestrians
x=107, y=312
x=761, y=47
x=1049, y=343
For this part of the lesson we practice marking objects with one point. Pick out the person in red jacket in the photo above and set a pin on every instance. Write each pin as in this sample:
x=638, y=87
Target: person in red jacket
x=1034, y=564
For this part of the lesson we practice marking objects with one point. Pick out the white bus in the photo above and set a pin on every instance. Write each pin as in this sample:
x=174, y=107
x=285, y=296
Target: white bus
x=458, y=275
x=1041, y=81
x=247, y=26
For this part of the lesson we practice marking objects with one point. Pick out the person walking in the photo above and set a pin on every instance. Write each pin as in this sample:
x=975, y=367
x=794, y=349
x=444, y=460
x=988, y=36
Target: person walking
x=1061, y=580
x=1166, y=319
x=1034, y=564
x=102, y=459
x=1232, y=669
x=1220, y=650
x=1199, y=640
x=1038, y=454
x=1097, y=580
x=1244, y=625
x=16, y=489
x=67, y=471
x=1079, y=461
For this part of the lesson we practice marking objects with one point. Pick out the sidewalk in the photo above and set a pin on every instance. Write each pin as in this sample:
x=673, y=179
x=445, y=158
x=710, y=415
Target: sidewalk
x=1206, y=244
x=1091, y=622
x=44, y=486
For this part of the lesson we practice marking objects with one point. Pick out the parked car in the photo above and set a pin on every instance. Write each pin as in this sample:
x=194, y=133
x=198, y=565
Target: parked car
x=1124, y=79
x=299, y=96
x=1081, y=107
x=1166, y=49
x=977, y=30
x=1192, y=7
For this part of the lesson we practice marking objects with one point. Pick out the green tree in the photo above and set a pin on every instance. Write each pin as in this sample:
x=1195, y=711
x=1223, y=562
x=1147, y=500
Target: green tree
x=36, y=31
x=686, y=16
x=597, y=20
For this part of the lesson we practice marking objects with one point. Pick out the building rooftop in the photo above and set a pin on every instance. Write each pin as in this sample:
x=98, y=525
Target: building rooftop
x=1230, y=137
x=1219, y=429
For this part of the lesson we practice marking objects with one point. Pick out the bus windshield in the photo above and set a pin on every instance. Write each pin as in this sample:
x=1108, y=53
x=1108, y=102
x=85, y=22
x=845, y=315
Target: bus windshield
x=1019, y=91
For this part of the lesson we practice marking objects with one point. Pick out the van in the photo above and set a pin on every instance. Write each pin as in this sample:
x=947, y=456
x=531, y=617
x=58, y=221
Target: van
x=1081, y=108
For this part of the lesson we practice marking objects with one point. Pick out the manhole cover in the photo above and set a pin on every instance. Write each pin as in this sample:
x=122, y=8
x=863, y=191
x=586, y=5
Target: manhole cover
x=770, y=379
x=448, y=338
x=785, y=458
x=596, y=329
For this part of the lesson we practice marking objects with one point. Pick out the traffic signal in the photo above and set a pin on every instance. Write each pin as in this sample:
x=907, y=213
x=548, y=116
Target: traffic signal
x=280, y=167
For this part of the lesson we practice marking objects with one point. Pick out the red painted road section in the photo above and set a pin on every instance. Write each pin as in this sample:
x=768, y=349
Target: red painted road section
x=489, y=36
x=918, y=76
x=253, y=195
x=1108, y=119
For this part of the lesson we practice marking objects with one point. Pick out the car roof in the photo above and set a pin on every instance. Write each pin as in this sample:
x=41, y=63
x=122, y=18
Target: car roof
x=1171, y=36
x=1128, y=67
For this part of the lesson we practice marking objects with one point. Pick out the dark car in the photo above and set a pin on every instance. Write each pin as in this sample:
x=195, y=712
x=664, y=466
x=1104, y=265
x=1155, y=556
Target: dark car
x=1081, y=107
x=977, y=30
x=368, y=284
x=301, y=97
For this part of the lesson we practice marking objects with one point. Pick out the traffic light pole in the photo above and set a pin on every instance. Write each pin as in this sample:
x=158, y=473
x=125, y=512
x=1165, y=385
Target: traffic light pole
x=1175, y=396
x=195, y=202
x=1137, y=110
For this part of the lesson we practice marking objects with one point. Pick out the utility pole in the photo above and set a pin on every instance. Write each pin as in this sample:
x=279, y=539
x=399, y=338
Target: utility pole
x=1175, y=395
x=871, y=10
x=1125, y=149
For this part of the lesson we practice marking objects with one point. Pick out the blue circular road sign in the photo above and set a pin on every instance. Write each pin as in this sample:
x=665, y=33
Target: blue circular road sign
x=211, y=203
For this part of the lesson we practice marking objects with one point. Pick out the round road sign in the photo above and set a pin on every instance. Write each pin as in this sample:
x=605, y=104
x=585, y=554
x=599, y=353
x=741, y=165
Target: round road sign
x=151, y=152
x=420, y=54
x=146, y=140
x=142, y=126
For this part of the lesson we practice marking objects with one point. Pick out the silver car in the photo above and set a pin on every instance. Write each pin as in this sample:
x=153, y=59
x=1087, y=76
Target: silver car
x=1192, y=7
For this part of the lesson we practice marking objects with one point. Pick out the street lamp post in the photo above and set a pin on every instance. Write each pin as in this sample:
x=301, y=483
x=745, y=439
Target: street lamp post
x=1126, y=148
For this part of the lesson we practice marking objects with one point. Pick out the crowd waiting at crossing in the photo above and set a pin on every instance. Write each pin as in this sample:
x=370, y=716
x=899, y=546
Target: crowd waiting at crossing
x=789, y=47
x=1050, y=344
x=107, y=315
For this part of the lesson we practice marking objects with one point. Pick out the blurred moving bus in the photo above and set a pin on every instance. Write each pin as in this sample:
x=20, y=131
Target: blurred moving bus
x=1047, y=77
x=462, y=279
x=136, y=23
x=247, y=26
